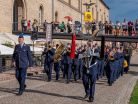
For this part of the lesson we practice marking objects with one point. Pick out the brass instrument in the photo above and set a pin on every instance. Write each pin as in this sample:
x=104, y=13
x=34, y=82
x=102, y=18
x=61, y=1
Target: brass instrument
x=59, y=52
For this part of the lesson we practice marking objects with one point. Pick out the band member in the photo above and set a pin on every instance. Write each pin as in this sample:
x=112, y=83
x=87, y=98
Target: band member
x=49, y=61
x=67, y=64
x=75, y=66
x=22, y=58
x=90, y=73
x=57, y=65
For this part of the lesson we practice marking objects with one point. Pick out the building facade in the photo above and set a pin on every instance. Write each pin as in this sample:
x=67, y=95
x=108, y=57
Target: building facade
x=12, y=11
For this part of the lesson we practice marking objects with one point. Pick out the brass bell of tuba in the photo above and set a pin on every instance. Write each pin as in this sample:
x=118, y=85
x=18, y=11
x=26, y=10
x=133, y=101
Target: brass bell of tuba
x=58, y=53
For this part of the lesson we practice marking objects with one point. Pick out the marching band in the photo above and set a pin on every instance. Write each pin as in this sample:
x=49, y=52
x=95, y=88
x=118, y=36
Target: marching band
x=86, y=65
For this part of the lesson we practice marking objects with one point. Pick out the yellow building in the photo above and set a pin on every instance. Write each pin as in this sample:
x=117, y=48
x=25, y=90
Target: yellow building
x=12, y=11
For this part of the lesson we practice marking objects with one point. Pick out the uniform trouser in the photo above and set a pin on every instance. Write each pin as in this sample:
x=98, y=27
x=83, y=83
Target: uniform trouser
x=48, y=70
x=89, y=85
x=76, y=72
x=122, y=71
x=80, y=68
x=67, y=71
x=62, y=69
x=21, y=77
x=57, y=69
x=111, y=77
x=102, y=69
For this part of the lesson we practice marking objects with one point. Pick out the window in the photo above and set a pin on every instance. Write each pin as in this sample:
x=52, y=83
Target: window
x=41, y=15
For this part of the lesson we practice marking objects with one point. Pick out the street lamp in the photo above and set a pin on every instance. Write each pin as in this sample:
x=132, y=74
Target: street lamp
x=88, y=5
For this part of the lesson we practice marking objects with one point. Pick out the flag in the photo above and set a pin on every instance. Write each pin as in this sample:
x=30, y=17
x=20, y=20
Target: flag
x=73, y=46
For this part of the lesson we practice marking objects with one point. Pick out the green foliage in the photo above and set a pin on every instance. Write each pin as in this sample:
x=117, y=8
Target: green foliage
x=134, y=97
x=8, y=44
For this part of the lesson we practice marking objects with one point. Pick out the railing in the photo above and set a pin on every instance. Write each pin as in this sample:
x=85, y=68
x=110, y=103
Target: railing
x=57, y=28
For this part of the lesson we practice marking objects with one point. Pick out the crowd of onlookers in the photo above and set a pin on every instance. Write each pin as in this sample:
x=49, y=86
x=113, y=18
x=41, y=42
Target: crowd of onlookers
x=119, y=28
x=28, y=25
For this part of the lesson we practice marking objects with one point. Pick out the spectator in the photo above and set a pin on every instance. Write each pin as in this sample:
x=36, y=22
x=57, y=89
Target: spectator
x=35, y=25
x=93, y=26
x=62, y=27
x=25, y=25
x=110, y=27
x=56, y=26
x=124, y=27
x=136, y=27
x=106, y=27
x=22, y=23
x=100, y=25
x=69, y=27
x=118, y=27
x=29, y=25
x=114, y=28
x=45, y=25
x=130, y=28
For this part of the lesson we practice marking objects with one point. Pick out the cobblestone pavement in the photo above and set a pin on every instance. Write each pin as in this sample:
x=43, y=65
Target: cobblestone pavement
x=41, y=92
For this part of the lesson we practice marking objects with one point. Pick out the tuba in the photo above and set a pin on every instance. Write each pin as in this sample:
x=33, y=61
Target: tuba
x=58, y=53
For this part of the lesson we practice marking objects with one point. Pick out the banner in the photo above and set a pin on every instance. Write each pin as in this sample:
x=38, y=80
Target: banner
x=49, y=33
x=88, y=17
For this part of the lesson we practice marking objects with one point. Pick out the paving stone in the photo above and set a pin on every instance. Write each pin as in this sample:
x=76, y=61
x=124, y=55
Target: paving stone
x=41, y=92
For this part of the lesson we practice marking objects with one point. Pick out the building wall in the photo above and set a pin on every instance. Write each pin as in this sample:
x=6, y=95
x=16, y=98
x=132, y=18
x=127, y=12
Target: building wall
x=100, y=12
x=5, y=15
x=63, y=7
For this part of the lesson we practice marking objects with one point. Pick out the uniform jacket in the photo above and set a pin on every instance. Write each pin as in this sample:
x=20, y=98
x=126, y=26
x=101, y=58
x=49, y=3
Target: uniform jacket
x=50, y=56
x=22, y=56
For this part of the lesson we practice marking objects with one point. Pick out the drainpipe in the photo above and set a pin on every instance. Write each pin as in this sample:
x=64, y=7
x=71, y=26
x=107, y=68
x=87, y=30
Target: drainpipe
x=81, y=11
x=53, y=10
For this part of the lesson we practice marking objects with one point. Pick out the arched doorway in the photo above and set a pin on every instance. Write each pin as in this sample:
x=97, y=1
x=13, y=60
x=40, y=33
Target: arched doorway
x=41, y=15
x=18, y=14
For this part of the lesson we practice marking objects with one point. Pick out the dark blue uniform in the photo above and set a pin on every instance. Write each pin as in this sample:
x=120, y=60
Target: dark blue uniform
x=67, y=61
x=22, y=58
x=89, y=80
x=75, y=67
x=57, y=68
x=49, y=61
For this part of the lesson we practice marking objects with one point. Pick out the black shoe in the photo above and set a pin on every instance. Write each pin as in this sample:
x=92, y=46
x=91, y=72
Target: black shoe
x=48, y=80
x=25, y=86
x=90, y=100
x=68, y=82
x=86, y=96
x=56, y=79
x=110, y=84
x=20, y=93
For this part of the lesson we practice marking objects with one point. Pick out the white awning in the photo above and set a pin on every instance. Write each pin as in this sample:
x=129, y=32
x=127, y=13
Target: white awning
x=4, y=50
x=7, y=37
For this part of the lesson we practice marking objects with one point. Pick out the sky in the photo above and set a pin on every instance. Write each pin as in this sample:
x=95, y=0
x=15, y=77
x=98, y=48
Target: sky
x=120, y=9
